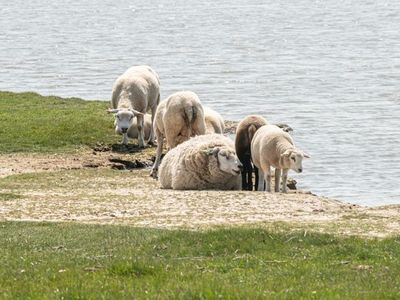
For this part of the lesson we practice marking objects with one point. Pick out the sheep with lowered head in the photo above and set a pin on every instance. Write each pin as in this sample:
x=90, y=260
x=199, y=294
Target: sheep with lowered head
x=214, y=121
x=134, y=93
x=178, y=118
x=273, y=147
x=201, y=163
x=244, y=135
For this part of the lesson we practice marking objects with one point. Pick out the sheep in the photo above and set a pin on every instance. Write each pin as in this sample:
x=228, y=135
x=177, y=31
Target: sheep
x=178, y=118
x=201, y=163
x=133, y=132
x=214, y=121
x=244, y=134
x=273, y=147
x=134, y=93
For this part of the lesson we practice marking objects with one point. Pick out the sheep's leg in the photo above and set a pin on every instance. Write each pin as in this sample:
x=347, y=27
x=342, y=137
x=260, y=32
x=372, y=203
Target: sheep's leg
x=247, y=183
x=160, y=141
x=267, y=176
x=153, y=114
x=250, y=178
x=284, y=180
x=277, y=180
x=140, y=126
x=261, y=182
x=244, y=180
x=256, y=178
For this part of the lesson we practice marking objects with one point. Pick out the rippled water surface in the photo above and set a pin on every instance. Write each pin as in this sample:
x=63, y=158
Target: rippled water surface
x=330, y=69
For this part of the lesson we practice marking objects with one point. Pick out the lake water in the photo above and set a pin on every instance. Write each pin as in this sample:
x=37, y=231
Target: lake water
x=330, y=69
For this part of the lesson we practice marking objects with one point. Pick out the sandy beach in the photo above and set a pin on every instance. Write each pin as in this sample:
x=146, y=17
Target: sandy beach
x=104, y=187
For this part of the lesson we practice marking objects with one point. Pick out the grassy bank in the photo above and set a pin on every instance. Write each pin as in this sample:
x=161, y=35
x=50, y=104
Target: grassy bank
x=30, y=122
x=92, y=262
x=49, y=173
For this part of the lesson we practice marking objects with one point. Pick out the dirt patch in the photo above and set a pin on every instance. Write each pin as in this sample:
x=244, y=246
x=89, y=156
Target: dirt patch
x=19, y=163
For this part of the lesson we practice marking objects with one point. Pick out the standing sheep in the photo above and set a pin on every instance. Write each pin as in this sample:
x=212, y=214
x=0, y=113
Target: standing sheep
x=244, y=134
x=178, y=118
x=214, y=121
x=203, y=162
x=273, y=147
x=134, y=93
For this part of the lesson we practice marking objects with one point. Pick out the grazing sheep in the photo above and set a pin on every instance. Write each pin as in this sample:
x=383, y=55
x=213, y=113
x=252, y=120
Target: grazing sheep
x=201, y=163
x=133, y=132
x=134, y=93
x=244, y=134
x=178, y=118
x=273, y=147
x=214, y=121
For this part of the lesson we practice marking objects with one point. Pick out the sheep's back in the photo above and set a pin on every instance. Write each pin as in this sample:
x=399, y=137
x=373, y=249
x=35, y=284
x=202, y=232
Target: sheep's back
x=242, y=139
x=139, y=83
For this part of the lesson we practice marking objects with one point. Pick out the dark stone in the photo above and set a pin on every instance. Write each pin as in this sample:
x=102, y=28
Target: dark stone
x=291, y=184
x=121, y=164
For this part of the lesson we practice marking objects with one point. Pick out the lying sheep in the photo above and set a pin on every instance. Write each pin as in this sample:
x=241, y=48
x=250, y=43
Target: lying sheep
x=214, y=121
x=273, y=147
x=203, y=162
x=178, y=118
x=244, y=134
x=133, y=132
x=134, y=93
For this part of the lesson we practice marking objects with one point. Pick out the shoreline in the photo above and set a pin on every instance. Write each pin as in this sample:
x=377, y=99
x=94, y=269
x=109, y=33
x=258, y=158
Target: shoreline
x=108, y=191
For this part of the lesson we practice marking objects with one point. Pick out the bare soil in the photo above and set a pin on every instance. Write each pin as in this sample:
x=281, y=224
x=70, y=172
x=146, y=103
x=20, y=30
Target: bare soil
x=82, y=187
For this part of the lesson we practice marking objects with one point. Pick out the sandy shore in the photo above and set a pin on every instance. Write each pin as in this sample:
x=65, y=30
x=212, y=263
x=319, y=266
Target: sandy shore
x=90, y=187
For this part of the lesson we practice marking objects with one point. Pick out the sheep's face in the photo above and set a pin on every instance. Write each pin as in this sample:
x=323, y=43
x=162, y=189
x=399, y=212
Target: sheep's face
x=293, y=159
x=228, y=162
x=124, y=119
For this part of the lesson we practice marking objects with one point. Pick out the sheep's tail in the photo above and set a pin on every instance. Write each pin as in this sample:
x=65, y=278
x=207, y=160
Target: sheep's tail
x=190, y=117
x=251, y=130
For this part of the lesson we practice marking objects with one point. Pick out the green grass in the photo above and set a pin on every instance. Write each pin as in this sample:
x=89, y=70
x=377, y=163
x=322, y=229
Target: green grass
x=33, y=123
x=69, y=261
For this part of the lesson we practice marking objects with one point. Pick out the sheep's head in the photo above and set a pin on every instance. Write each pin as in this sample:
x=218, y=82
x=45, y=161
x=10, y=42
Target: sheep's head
x=124, y=118
x=293, y=159
x=227, y=159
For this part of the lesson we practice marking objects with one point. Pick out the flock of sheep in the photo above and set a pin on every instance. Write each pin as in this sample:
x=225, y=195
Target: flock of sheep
x=199, y=155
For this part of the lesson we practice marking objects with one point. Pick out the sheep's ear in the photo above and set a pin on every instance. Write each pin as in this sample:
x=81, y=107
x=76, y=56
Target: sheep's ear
x=136, y=113
x=306, y=155
x=286, y=153
x=112, y=111
x=213, y=151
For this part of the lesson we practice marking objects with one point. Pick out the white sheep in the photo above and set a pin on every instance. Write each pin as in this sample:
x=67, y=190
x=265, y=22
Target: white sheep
x=134, y=93
x=214, y=121
x=203, y=162
x=178, y=118
x=133, y=132
x=273, y=147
